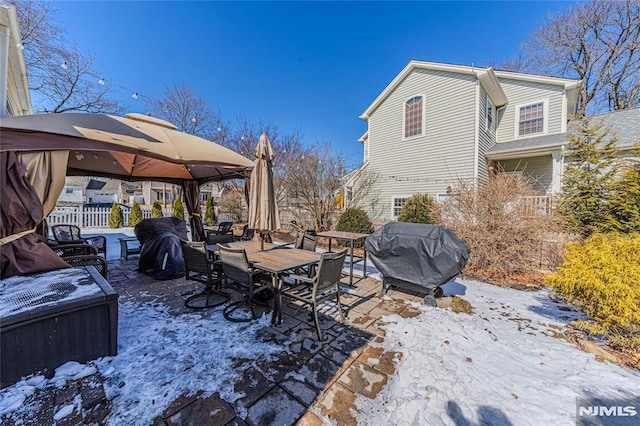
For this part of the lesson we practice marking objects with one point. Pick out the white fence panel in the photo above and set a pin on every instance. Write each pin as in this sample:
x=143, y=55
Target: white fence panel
x=93, y=217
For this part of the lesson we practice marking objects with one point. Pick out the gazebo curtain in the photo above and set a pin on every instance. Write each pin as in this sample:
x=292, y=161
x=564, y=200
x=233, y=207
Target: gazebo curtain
x=192, y=200
x=20, y=212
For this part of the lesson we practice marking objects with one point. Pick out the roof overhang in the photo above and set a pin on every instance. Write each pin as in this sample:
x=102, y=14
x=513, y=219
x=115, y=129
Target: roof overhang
x=493, y=87
x=523, y=153
x=486, y=76
x=364, y=137
x=567, y=83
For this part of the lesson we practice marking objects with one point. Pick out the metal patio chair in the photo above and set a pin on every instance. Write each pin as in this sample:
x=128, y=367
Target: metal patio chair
x=70, y=234
x=197, y=262
x=324, y=285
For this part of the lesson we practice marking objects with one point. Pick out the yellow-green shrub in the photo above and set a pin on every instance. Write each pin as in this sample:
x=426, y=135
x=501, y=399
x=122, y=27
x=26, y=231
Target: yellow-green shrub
x=602, y=275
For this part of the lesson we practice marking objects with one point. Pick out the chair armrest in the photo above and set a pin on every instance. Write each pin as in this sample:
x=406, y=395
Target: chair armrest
x=301, y=278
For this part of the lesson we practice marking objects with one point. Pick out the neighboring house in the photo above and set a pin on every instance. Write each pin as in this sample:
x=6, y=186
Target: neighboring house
x=15, y=98
x=73, y=191
x=436, y=124
x=79, y=190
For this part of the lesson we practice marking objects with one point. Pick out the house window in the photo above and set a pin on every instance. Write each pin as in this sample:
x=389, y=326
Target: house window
x=204, y=197
x=414, y=117
x=68, y=190
x=159, y=196
x=398, y=203
x=531, y=119
x=490, y=113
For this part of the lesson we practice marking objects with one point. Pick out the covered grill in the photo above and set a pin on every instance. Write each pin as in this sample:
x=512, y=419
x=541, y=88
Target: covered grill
x=416, y=257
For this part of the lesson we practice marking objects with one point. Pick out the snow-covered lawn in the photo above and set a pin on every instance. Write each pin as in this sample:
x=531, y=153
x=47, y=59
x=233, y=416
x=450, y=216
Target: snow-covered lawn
x=499, y=365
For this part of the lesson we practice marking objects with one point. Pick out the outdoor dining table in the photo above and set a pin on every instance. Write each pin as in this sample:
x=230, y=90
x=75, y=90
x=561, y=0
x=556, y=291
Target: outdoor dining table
x=275, y=260
x=351, y=237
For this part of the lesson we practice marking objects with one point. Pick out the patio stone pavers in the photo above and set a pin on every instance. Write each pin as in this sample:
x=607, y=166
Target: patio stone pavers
x=311, y=383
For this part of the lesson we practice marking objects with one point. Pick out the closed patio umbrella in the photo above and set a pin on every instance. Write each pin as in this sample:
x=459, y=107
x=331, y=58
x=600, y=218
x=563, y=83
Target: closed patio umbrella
x=263, y=209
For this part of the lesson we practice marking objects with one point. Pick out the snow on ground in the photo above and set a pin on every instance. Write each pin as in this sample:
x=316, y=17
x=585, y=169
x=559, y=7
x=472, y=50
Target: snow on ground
x=161, y=357
x=499, y=365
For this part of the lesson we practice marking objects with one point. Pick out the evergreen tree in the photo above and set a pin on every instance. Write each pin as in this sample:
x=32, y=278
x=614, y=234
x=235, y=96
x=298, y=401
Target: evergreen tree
x=417, y=209
x=136, y=214
x=624, y=207
x=156, y=209
x=589, y=178
x=178, y=208
x=210, y=213
x=116, y=218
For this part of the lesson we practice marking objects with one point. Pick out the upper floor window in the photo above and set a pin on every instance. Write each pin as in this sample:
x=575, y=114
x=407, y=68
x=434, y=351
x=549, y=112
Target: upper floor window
x=398, y=204
x=68, y=190
x=414, y=117
x=490, y=114
x=531, y=119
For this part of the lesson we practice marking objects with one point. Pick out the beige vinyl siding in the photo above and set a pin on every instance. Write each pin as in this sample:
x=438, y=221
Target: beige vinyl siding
x=429, y=163
x=487, y=138
x=539, y=169
x=521, y=93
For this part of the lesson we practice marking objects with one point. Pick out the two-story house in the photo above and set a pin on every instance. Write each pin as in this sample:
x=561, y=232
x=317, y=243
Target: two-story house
x=436, y=124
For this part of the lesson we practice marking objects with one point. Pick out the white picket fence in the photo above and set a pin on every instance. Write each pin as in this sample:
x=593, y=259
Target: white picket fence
x=94, y=217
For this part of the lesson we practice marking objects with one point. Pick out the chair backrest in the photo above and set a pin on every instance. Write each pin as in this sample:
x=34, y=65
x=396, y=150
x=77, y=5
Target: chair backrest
x=329, y=270
x=224, y=227
x=306, y=241
x=247, y=233
x=91, y=260
x=218, y=239
x=65, y=250
x=195, y=256
x=235, y=265
x=66, y=233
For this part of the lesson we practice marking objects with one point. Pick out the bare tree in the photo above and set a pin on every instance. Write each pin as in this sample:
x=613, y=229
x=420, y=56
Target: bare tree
x=64, y=78
x=597, y=41
x=312, y=182
x=181, y=106
x=363, y=191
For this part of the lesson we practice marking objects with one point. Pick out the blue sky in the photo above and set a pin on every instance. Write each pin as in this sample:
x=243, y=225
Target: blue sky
x=314, y=66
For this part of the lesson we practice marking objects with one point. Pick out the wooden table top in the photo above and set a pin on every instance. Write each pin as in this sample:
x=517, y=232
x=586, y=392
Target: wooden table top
x=274, y=258
x=342, y=235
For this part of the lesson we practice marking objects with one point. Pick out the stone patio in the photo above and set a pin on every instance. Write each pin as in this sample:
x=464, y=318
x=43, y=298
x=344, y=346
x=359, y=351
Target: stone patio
x=312, y=383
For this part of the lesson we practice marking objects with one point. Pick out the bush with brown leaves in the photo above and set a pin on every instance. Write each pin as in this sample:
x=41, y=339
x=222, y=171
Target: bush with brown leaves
x=498, y=222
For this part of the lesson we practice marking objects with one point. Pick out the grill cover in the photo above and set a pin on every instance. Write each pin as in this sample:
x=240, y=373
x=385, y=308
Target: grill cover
x=424, y=255
x=160, y=252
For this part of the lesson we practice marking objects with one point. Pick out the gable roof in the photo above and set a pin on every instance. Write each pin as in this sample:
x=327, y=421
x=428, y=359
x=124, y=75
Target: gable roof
x=487, y=76
x=625, y=123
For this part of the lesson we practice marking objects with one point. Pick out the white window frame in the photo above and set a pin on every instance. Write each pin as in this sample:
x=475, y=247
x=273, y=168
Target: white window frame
x=404, y=117
x=545, y=119
x=489, y=106
x=393, y=204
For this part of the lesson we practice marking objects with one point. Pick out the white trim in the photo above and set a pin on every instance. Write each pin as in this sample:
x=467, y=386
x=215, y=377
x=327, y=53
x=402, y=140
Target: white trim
x=568, y=83
x=563, y=124
x=476, y=132
x=545, y=119
x=404, y=117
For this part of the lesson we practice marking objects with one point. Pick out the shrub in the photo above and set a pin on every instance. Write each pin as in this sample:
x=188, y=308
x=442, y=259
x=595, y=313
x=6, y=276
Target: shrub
x=210, y=213
x=354, y=220
x=495, y=221
x=136, y=214
x=178, y=208
x=116, y=218
x=418, y=208
x=156, y=209
x=602, y=276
